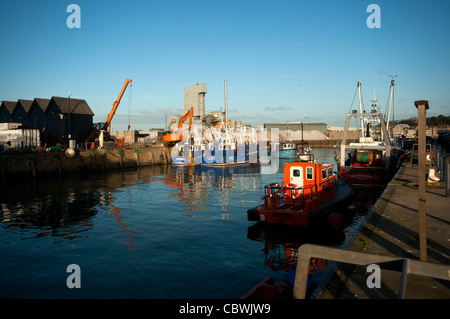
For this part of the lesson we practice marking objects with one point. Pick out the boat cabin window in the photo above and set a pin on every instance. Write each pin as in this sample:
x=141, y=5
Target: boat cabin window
x=330, y=171
x=324, y=173
x=309, y=173
x=296, y=173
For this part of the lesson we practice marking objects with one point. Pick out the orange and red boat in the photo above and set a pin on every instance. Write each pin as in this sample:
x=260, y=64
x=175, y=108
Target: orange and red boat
x=311, y=195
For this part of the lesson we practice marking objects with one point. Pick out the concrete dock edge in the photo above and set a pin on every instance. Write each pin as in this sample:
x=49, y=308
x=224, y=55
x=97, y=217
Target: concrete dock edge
x=391, y=228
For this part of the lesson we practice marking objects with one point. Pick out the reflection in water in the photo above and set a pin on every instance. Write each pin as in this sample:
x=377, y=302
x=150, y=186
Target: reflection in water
x=281, y=243
x=194, y=186
x=115, y=211
x=64, y=207
x=55, y=211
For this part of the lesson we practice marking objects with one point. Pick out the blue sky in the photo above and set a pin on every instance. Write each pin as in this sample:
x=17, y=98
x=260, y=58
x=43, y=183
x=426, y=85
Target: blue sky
x=283, y=60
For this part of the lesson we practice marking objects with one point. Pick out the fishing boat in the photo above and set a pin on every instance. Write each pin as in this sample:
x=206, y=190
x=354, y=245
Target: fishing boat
x=287, y=150
x=186, y=154
x=232, y=147
x=369, y=161
x=309, y=196
x=224, y=152
x=304, y=152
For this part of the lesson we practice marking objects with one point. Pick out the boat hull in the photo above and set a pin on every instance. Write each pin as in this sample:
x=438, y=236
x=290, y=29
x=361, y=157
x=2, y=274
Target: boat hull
x=370, y=176
x=288, y=153
x=365, y=176
x=242, y=155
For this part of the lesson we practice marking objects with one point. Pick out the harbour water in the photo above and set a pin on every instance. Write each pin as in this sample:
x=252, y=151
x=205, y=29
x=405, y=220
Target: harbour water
x=153, y=232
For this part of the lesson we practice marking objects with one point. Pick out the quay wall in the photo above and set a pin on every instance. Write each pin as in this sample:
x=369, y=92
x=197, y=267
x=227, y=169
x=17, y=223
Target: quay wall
x=30, y=165
x=329, y=143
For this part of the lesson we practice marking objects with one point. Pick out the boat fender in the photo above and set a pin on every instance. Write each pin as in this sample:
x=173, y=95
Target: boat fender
x=277, y=190
x=295, y=193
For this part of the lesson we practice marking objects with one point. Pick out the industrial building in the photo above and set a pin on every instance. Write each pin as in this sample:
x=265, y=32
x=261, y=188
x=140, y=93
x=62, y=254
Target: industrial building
x=194, y=97
x=297, y=126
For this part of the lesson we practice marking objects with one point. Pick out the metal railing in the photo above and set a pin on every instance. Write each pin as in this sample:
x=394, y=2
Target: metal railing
x=442, y=162
x=274, y=194
x=298, y=203
x=406, y=266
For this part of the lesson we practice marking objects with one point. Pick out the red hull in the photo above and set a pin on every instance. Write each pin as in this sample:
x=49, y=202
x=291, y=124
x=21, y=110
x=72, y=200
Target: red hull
x=356, y=176
x=283, y=217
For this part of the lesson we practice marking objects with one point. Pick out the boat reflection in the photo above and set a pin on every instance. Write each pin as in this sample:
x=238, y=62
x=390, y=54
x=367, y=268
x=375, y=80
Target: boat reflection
x=281, y=243
x=194, y=186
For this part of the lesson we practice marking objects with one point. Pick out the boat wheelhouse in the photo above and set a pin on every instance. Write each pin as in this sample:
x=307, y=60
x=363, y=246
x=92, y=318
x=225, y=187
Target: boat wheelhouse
x=287, y=150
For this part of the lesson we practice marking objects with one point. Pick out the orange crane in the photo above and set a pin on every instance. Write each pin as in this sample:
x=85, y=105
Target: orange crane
x=176, y=137
x=225, y=124
x=107, y=125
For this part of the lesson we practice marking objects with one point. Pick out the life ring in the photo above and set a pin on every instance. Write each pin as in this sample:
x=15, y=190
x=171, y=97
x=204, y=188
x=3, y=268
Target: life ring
x=295, y=192
x=278, y=191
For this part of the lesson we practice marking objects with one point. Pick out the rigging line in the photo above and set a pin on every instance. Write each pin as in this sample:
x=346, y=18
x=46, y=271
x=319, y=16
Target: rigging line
x=393, y=111
x=129, y=105
x=387, y=106
x=362, y=102
x=351, y=106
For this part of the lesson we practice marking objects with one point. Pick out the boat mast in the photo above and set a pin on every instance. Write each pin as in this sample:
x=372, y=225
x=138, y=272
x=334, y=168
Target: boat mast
x=375, y=108
x=390, y=101
x=226, y=101
x=374, y=104
x=360, y=109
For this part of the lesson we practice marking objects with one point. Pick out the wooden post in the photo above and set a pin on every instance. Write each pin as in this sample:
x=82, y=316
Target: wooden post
x=422, y=106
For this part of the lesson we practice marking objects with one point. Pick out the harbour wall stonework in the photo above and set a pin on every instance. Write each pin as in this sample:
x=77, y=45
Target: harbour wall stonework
x=30, y=165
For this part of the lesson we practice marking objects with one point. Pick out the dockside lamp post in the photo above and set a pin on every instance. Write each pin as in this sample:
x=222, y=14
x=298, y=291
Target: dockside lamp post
x=422, y=106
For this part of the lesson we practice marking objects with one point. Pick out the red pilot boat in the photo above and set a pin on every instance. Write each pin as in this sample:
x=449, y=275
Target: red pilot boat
x=311, y=195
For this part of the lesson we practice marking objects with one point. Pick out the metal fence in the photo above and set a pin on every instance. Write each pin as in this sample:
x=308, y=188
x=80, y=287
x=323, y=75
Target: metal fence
x=405, y=265
x=442, y=162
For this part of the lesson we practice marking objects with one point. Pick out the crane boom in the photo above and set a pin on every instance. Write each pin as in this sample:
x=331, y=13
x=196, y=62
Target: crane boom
x=176, y=136
x=107, y=125
x=185, y=116
x=229, y=122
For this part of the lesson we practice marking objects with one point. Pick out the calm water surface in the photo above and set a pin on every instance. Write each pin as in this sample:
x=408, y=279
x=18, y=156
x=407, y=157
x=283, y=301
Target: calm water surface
x=154, y=232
